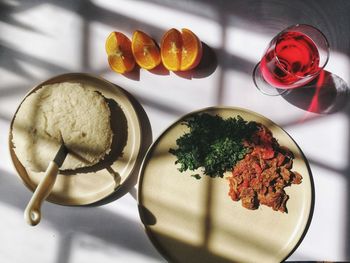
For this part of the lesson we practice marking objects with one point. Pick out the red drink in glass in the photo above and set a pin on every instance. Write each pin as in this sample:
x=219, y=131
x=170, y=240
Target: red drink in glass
x=292, y=58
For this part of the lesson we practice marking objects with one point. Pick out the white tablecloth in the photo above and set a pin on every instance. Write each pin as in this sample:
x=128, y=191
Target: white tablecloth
x=40, y=39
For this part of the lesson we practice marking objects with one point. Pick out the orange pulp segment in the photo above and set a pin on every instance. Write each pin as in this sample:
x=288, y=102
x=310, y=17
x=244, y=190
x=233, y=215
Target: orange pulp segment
x=145, y=50
x=180, y=50
x=118, y=48
x=170, y=49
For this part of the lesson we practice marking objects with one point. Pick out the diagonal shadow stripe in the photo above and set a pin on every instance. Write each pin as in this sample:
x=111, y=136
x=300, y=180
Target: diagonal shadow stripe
x=97, y=222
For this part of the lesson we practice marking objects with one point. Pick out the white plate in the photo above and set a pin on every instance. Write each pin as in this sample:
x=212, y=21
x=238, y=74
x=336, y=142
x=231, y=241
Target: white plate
x=191, y=220
x=86, y=187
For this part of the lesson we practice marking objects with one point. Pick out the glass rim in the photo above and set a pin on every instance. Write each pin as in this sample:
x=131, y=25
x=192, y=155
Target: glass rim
x=314, y=28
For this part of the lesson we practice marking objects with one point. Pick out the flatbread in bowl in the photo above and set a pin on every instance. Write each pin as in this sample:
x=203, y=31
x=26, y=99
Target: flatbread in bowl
x=89, y=183
x=59, y=112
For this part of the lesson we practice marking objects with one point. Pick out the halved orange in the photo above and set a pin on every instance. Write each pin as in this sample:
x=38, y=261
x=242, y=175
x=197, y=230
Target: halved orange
x=180, y=50
x=145, y=50
x=118, y=48
x=191, y=50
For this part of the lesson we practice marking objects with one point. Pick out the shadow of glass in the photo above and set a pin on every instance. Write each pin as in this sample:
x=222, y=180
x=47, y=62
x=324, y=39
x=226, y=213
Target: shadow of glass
x=326, y=94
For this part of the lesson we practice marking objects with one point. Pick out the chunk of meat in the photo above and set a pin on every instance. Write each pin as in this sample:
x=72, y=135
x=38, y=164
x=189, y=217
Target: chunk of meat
x=297, y=178
x=261, y=176
x=248, y=197
x=276, y=200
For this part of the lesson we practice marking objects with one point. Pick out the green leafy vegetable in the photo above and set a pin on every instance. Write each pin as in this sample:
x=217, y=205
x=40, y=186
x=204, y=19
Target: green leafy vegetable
x=197, y=176
x=213, y=144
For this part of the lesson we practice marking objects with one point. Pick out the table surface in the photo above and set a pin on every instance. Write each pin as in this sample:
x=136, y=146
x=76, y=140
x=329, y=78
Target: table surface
x=40, y=39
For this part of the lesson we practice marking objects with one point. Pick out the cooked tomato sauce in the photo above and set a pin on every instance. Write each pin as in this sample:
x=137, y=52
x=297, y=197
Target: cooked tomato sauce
x=260, y=178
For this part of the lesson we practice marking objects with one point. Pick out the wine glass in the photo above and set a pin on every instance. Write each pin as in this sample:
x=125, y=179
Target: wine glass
x=292, y=59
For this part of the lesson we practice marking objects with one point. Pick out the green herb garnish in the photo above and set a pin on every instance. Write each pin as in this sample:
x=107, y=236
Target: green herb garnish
x=197, y=176
x=213, y=144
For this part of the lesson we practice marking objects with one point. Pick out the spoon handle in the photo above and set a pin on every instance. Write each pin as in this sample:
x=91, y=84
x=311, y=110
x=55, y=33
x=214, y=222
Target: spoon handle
x=32, y=213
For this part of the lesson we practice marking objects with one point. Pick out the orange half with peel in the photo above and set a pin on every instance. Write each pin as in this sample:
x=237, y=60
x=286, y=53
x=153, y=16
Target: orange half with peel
x=145, y=50
x=118, y=48
x=180, y=51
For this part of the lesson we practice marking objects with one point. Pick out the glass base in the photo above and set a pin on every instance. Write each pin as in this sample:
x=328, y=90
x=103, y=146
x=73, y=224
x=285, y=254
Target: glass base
x=263, y=86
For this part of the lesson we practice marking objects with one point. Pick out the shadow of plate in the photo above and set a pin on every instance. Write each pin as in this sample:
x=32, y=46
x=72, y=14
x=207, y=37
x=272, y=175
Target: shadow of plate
x=146, y=140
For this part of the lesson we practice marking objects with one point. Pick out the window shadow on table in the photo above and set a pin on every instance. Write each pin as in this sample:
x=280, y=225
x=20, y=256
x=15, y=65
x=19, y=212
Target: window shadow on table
x=265, y=17
x=73, y=222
